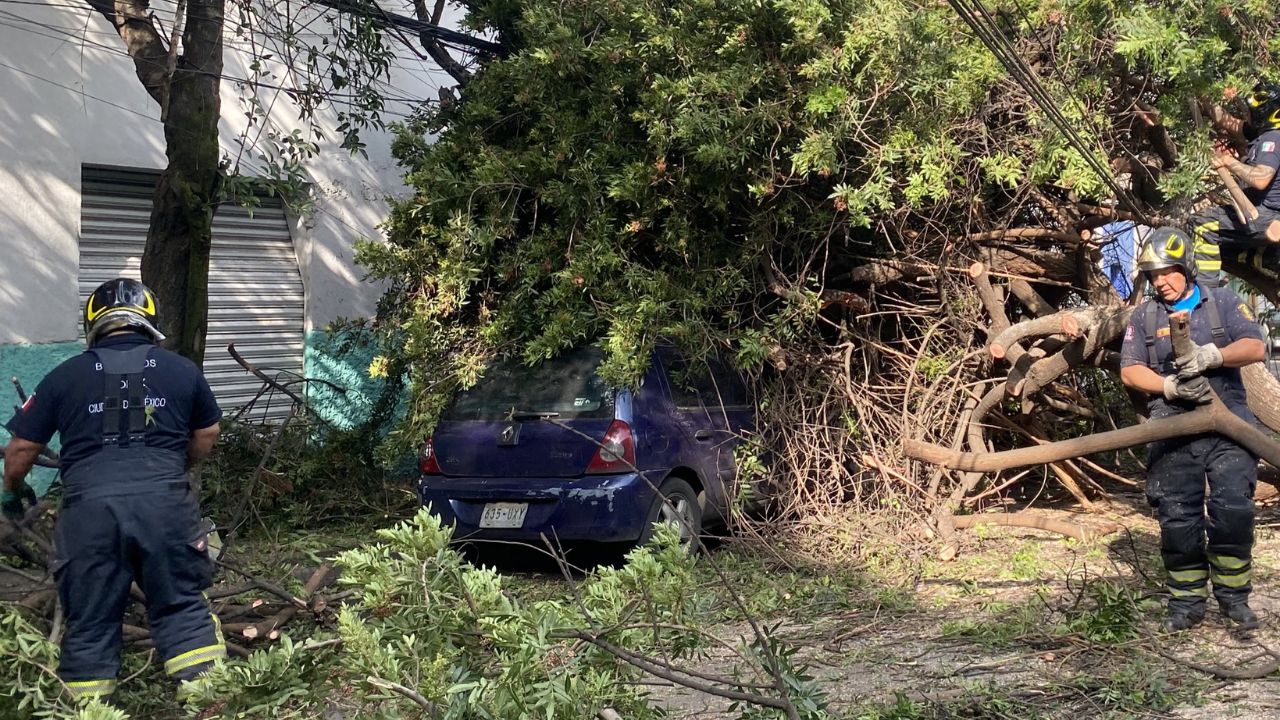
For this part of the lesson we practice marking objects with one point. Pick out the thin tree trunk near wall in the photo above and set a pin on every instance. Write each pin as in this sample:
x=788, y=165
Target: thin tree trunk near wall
x=175, y=263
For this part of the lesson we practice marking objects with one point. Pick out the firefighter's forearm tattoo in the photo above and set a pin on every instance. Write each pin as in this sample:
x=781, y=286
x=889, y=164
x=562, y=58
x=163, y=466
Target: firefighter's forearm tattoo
x=1255, y=176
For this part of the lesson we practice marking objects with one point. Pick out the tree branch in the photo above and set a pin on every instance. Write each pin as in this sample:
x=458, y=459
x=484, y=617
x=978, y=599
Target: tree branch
x=431, y=43
x=132, y=22
x=681, y=677
x=406, y=692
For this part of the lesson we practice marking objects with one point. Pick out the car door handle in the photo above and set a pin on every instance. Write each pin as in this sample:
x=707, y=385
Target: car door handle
x=703, y=435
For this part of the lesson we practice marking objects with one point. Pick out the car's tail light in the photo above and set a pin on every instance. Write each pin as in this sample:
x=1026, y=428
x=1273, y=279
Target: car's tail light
x=617, y=452
x=427, y=462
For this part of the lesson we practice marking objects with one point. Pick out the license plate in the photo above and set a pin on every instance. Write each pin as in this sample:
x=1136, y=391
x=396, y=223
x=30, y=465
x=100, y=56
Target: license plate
x=503, y=515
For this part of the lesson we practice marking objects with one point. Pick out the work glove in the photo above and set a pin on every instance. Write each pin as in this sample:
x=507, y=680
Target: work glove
x=1198, y=361
x=11, y=501
x=1194, y=390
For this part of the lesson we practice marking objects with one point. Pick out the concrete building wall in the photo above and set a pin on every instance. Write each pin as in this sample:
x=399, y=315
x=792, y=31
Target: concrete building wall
x=69, y=97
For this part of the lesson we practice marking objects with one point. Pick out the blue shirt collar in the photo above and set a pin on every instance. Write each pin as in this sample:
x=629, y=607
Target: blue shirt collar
x=1188, y=303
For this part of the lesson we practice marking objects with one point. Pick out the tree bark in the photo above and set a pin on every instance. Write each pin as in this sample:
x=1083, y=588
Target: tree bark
x=175, y=263
x=1214, y=417
x=1263, y=391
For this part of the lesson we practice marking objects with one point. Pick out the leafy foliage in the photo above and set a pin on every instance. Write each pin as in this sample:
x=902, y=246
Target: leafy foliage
x=454, y=634
x=631, y=171
x=29, y=686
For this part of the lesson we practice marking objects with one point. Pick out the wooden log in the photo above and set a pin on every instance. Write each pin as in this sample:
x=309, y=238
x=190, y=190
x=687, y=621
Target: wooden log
x=1263, y=392
x=270, y=628
x=1214, y=417
x=1198, y=421
x=994, y=305
x=1031, y=299
x=1090, y=320
x=39, y=602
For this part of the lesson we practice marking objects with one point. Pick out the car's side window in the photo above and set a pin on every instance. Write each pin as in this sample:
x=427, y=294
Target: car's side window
x=703, y=383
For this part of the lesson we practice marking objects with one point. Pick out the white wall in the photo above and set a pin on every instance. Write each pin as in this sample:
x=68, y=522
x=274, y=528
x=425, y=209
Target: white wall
x=69, y=97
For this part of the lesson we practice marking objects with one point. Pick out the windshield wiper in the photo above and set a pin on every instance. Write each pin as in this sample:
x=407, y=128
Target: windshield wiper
x=532, y=414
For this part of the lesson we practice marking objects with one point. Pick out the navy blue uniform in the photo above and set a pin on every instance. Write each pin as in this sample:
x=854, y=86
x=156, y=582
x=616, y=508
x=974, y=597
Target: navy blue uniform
x=1177, y=468
x=1218, y=229
x=125, y=410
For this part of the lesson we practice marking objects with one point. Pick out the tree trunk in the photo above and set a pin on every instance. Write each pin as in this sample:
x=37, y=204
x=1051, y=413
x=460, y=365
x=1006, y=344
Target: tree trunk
x=175, y=263
x=1263, y=391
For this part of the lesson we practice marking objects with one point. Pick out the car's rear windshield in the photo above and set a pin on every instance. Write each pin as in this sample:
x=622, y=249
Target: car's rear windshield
x=566, y=385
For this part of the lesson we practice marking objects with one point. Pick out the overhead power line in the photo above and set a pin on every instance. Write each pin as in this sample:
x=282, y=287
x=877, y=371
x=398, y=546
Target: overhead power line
x=248, y=164
x=383, y=18
x=56, y=33
x=980, y=20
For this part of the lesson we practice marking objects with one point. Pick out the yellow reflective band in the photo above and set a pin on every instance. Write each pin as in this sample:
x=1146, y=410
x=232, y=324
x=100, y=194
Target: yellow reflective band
x=1189, y=576
x=1231, y=581
x=1208, y=248
x=1228, y=562
x=1198, y=592
x=86, y=688
x=217, y=628
x=1211, y=265
x=1211, y=226
x=191, y=658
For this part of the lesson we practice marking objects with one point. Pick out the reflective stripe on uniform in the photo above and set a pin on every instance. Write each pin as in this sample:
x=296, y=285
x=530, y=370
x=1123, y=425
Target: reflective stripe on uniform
x=1202, y=228
x=1228, y=562
x=192, y=658
x=1231, y=581
x=1230, y=571
x=86, y=688
x=1200, y=592
x=1208, y=255
x=1189, y=576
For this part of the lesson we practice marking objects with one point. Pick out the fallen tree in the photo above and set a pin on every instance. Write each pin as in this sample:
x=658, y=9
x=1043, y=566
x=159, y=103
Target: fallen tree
x=807, y=192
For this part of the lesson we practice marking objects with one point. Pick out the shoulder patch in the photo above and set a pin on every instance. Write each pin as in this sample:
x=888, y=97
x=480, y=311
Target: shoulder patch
x=1128, y=333
x=1246, y=312
x=1268, y=146
x=1162, y=332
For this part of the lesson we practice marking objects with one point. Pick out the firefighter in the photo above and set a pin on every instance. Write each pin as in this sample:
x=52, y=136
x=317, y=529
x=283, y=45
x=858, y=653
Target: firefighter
x=132, y=418
x=1218, y=229
x=1226, y=338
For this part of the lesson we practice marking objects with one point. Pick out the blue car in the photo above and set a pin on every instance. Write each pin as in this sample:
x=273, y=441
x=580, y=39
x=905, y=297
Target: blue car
x=553, y=450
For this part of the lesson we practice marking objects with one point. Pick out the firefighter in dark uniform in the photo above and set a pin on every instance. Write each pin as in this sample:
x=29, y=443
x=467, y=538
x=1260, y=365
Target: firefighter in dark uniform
x=1227, y=339
x=1217, y=229
x=132, y=417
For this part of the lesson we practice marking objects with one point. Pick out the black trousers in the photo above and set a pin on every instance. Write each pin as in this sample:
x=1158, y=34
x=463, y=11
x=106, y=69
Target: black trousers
x=1196, y=546
x=1217, y=232
x=104, y=544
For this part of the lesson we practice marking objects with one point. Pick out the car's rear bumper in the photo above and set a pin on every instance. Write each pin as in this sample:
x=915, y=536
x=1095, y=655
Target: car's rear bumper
x=605, y=508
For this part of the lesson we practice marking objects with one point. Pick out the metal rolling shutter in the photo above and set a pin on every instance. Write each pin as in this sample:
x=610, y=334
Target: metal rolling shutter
x=255, y=291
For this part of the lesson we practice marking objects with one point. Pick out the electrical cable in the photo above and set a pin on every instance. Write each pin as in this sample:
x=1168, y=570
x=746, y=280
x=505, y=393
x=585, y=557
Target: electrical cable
x=62, y=35
x=261, y=172
x=998, y=44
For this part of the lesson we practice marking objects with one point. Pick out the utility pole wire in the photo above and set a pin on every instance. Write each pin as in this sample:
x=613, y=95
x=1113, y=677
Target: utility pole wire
x=383, y=18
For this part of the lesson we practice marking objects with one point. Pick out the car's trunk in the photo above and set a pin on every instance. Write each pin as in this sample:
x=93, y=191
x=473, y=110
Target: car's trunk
x=541, y=449
x=522, y=421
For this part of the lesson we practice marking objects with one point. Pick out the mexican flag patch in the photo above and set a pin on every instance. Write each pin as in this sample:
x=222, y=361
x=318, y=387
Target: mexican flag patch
x=1268, y=147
